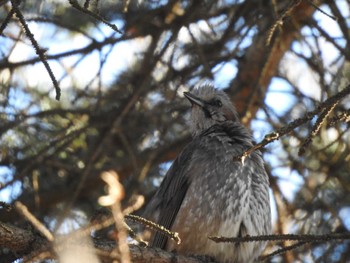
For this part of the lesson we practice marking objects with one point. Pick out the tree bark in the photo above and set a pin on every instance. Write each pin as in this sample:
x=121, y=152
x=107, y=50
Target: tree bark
x=27, y=244
x=261, y=61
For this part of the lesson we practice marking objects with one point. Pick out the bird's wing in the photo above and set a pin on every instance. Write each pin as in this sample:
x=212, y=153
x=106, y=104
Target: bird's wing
x=168, y=199
x=194, y=161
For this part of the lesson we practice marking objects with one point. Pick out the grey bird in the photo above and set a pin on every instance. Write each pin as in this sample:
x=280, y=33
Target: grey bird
x=207, y=193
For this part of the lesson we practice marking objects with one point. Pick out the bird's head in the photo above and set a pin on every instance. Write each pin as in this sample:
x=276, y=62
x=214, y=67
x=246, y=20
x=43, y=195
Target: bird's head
x=209, y=107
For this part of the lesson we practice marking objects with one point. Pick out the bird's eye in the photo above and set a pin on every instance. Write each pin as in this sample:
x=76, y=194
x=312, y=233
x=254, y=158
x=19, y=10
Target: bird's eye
x=217, y=103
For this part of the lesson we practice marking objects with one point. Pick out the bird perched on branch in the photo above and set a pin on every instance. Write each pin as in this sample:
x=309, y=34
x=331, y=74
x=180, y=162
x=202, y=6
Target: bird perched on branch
x=208, y=193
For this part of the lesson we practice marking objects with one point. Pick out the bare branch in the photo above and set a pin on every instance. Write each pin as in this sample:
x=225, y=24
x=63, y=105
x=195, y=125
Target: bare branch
x=291, y=237
x=76, y=5
x=22, y=209
x=39, y=51
x=296, y=123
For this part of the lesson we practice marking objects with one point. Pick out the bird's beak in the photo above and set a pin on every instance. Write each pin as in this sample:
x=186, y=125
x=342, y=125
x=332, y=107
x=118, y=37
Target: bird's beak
x=194, y=100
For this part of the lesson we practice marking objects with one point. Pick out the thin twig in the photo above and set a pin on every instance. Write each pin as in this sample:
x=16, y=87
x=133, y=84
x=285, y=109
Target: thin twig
x=76, y=5
x=6, y=20
x=39, y=51
x=294, y=124
x=323, y=12
x=316, y=128
x=291, y=237
x=94, y=45
x=283, y=250
x=23, y=210
x=267, y=139
x=136, y=203
x=173, y=235
x=279, y=21
x=342, y=117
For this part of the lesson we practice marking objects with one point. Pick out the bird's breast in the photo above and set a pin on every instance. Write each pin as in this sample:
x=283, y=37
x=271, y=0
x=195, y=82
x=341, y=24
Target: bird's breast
x=218, y=200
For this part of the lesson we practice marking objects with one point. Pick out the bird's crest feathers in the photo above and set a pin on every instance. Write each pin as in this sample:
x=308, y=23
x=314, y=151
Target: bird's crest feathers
x=210, y=106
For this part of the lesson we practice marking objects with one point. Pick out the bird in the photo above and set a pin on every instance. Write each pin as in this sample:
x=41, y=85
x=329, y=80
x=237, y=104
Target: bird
x=206, y=192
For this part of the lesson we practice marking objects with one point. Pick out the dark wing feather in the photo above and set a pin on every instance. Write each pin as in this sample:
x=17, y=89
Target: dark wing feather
x=167, y=216
x=168, y=199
